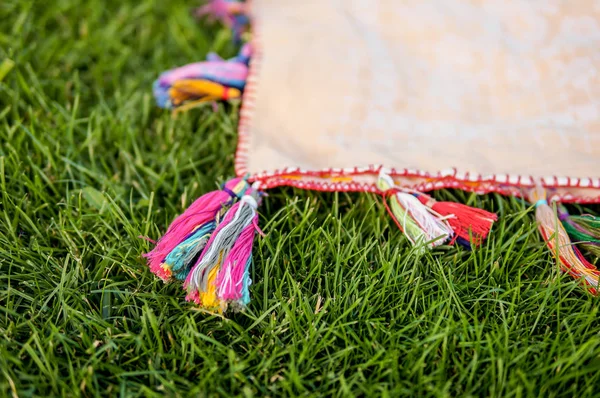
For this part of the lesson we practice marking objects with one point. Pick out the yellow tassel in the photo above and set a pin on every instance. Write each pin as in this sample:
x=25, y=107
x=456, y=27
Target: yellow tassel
x=209, y=298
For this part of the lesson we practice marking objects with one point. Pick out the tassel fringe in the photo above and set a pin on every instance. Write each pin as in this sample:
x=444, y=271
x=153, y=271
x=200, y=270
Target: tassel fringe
x=569, y=257
x=423, y=219
x=201, y=82
x=176, y=250
x=233, y=280
x=220, y=276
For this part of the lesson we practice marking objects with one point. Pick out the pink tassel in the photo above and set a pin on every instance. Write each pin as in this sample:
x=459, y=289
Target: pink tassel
x=193, y=297
x=230, y=280
x=203, y=210
x=189, y=284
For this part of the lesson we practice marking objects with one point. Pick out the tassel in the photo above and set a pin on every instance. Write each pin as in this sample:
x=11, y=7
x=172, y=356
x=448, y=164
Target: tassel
x=419, y=223
x=188, y=94
x=584, y=230
x=470, y=225
x=202, y=280
x=557, y=240
x=234, y=277
x=200, y=82
x=187, y=234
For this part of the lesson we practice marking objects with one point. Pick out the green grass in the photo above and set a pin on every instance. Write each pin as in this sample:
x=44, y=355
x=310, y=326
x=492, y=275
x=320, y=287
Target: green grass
x=341, y=305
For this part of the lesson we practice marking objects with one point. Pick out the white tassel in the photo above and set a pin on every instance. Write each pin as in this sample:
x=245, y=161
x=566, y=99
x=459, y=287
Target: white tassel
x=417, y=221
x=435, y=228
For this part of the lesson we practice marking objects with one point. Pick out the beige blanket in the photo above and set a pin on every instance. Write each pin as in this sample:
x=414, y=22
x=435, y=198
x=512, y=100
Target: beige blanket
x=485, y=95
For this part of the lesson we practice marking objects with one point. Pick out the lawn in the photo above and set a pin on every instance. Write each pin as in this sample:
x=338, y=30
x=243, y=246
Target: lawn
x=341, y=303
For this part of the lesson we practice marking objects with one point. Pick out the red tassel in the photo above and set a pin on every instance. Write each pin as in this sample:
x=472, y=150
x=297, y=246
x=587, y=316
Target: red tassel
x=470, y=224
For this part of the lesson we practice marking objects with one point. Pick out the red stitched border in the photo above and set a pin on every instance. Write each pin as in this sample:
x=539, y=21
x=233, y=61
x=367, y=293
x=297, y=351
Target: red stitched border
x=508, y=190
x=500, y=183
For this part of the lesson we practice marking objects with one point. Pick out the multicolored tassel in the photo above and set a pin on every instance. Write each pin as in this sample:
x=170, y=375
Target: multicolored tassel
x=197, y=83
x=181, y=258
x=187, y=235
x=584, y=230
x=220, y=275
x=233, y=280
x=470, y=225
x=568, y=256
x=419, y=223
